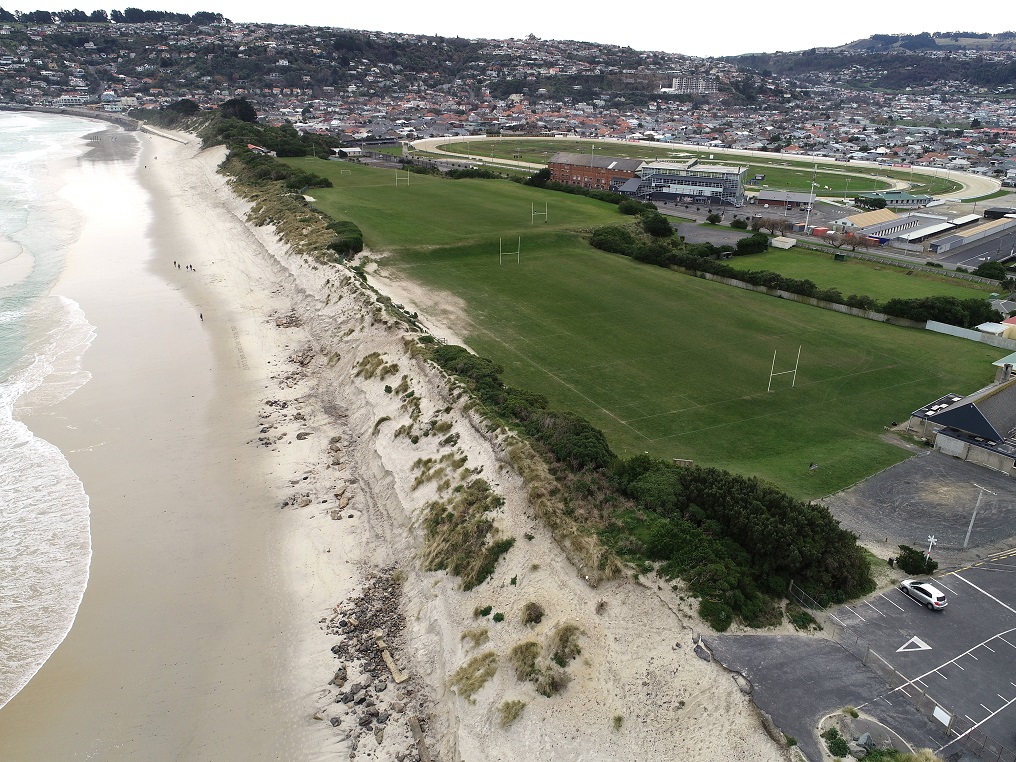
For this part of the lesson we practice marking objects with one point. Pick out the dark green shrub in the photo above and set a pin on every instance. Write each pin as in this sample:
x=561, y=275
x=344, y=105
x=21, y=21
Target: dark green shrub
x=836, y=744
x=717, y=615
x=913, y=561
x=739, y=224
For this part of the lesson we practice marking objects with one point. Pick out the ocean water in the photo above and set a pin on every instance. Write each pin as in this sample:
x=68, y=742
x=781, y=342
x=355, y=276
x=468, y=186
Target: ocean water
x=45, y=546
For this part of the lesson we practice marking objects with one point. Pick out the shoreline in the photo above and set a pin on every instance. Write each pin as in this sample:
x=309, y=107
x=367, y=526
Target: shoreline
x=267, y=442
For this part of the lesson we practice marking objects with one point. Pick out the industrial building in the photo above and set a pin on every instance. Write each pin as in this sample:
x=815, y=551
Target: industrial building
x=980, y=428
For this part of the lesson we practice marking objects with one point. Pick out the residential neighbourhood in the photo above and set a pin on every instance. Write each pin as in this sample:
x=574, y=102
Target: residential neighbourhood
x=359, y=85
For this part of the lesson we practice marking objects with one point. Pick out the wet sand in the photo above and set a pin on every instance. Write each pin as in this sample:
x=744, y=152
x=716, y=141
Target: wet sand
x=180, y=649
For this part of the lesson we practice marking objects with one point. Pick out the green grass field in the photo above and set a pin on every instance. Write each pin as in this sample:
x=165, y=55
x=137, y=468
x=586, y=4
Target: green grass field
x=434, y=211
x=662, y=362
x=782, y=173
x=855, y=276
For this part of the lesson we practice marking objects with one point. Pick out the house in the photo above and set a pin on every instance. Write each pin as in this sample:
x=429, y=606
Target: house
x=980, y=427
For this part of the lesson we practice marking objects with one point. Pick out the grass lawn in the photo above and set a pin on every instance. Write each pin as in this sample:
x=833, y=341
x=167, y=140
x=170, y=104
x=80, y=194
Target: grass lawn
x=436, y=211
x=782, y=173
x=662, y=362
x=855, y=276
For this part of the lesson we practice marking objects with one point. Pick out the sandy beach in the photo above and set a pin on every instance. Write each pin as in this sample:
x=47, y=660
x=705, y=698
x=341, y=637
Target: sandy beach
x=256, y=526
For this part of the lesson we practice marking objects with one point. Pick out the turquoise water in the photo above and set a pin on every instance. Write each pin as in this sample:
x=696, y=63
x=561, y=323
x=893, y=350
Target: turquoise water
x=45, y=546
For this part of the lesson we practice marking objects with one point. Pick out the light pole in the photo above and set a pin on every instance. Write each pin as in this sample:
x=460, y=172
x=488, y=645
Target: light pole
x=932, y=542
x=973, y=516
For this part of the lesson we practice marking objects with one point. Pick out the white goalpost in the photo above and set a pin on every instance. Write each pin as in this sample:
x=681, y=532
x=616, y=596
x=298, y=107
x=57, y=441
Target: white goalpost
x=399, y=179
x=773, y=373
x=501, y=252
x=538, y=214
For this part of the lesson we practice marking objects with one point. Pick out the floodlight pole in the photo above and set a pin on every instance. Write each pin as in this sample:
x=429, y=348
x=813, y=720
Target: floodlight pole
x=973, y=516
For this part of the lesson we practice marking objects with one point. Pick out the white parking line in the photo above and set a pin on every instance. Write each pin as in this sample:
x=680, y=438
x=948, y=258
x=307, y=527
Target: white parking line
x=985, y=592
x=1001, y=697
x=986, y=709
x=855, y=613
x=893, y=602
x=985, y=645
x=1005, y=641
x=837, y=619
x=866, y=603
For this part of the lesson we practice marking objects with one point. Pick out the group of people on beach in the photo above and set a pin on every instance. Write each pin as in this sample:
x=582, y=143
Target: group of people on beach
x=177, y=265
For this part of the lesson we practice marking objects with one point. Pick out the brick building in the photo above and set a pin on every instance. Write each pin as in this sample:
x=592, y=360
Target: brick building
x=595, y=172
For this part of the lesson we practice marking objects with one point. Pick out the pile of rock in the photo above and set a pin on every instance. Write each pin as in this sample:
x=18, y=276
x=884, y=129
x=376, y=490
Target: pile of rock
x=375, y=705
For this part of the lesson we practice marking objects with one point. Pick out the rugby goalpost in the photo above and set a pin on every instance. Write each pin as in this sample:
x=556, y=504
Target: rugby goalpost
x=501, y=252
x=538, y=214
x=773, y=373
x=399, y=179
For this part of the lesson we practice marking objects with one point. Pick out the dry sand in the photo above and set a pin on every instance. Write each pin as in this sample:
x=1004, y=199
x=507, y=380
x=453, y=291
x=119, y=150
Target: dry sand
x=247, y=482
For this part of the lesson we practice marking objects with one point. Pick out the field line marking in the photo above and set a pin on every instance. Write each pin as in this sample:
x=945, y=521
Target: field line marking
x=985, y=592
x=557, y=378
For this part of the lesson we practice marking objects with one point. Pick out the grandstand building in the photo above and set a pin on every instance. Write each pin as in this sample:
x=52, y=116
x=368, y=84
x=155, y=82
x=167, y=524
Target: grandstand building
x=676, y=182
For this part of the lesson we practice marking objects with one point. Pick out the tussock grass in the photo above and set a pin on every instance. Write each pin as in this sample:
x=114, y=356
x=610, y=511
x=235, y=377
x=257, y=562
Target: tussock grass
x=593, y=560
x=532, y=613
x=474, y=674
x=523, y=660
x=564, y=644
x=460, y=535
x=477, y=636
x=509, y=711
x=369, y=365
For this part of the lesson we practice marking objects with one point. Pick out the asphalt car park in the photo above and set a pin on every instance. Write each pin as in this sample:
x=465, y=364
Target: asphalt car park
x=963, y=658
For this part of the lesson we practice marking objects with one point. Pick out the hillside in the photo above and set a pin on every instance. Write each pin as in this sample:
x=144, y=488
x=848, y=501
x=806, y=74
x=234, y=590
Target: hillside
x=898, y=62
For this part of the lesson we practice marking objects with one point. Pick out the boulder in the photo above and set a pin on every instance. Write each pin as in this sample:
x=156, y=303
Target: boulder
x=702, y=653
x=857, y=751
x=866, y=741
x=743, y=684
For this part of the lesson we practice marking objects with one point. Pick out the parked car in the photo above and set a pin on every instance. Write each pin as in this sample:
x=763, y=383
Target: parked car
x=925, y=594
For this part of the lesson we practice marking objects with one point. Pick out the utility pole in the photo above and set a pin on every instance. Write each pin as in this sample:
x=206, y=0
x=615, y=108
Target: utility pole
x=980, y=494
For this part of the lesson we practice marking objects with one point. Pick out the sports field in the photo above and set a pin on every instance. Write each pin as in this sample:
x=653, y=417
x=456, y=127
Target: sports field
x=662, y=362
x=856, y=276
x=782, y=172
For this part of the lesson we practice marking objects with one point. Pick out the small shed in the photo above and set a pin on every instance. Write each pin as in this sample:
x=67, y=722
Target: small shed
x=783, y=242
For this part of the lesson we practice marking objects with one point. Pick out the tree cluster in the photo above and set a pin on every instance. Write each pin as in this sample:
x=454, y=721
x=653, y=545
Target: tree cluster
x=738, y=541
x=702, y=257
